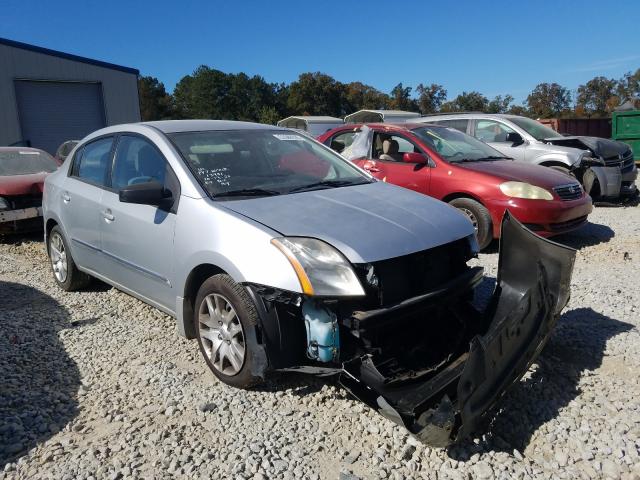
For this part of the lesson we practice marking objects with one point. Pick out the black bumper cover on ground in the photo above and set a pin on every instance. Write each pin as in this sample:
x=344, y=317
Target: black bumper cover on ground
x=531, y=289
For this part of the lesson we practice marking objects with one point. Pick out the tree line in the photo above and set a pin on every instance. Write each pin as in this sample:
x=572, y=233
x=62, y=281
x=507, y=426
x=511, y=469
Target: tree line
x=211, y=93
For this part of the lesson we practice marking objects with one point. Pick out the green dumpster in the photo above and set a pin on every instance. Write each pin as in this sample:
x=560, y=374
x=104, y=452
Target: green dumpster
x=625, y=126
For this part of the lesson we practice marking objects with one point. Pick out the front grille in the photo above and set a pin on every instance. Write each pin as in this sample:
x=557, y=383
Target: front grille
x=390, y=281
x=571, y=191
x=561, y=226
x=625, y=162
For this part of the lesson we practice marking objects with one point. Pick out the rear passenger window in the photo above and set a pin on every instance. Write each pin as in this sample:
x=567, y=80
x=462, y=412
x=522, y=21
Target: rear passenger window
x=92, y=161
x=460, y=124
x=137, y=161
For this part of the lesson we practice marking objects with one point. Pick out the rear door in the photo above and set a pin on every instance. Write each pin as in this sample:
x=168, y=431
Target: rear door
x=391, y=168
x=137, y=240
x=494, y=133
x=81, y=202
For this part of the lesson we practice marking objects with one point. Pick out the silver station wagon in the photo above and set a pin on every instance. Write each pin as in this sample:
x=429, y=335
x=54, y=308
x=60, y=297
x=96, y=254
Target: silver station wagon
x=275, y=253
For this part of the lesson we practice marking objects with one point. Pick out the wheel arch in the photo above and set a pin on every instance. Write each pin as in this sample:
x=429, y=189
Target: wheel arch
x=194, y=281
x=453, y=196
x=555, y=163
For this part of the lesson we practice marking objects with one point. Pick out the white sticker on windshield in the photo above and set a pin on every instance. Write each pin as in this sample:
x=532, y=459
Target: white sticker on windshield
x=29, y=153
x=284, y=136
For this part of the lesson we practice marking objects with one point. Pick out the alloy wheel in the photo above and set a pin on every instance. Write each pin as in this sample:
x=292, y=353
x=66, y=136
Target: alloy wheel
x=58, y=256
x=221, y=334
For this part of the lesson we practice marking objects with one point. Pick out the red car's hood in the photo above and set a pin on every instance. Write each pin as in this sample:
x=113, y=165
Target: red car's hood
x=22, y=184
x=510, y=170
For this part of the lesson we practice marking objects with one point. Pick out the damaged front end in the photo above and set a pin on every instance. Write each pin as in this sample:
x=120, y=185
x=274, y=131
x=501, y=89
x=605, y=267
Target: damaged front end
x=415, y=348
x=447, y=402
x=20, y=214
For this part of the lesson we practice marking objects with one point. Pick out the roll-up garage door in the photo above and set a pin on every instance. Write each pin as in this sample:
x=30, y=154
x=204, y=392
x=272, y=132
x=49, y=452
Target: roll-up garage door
x=54, y=112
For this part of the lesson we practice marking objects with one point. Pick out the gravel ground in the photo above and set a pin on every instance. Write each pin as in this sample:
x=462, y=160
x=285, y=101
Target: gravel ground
x=98, y=385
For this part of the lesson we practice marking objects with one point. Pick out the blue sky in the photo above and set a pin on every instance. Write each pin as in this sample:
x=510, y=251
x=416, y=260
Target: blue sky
x=495, y=47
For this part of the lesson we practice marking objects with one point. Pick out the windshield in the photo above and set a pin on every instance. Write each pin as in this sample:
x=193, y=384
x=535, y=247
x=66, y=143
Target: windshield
x=262, y=162
x=533, y=128
x=25, y=162
x=455, y=146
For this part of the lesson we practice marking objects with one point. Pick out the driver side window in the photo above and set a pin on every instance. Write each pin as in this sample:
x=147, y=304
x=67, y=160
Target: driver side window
x=491, y=131
x=391, y=147
x=137, y=161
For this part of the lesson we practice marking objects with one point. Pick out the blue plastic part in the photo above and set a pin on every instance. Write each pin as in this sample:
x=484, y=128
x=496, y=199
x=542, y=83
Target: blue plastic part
x=323, y=338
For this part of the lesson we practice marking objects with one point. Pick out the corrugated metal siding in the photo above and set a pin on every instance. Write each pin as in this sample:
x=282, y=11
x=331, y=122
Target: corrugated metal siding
x=120, y=89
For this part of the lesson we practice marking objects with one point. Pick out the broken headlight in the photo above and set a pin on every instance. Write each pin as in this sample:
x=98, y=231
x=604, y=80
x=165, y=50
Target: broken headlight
x=4, y=204
x=525, y=190
x=321, y=269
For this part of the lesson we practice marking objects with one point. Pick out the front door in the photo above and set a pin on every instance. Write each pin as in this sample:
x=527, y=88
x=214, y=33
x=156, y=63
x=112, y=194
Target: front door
x=495, y=133
x=81, y=202
x=386, y=162
x=137, y=240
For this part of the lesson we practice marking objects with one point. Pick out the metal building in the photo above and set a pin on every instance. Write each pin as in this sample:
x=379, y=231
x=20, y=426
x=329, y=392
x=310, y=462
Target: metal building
x=48, y=97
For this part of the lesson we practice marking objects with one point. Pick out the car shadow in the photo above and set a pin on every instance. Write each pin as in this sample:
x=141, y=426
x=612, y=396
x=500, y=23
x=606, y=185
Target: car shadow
x=577, y=346
x=587, y=236
x=38, y=390
x=20, y=238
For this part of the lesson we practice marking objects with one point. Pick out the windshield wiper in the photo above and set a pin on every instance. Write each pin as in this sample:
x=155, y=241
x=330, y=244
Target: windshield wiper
x=327, y=184
x=247, y=192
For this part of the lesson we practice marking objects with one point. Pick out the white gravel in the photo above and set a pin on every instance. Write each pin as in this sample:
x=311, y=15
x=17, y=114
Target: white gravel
x=98, y=385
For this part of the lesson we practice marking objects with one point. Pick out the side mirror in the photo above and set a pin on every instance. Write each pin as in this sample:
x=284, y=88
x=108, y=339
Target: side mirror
x=515, y=139
x=414, y=157
x=148, y=193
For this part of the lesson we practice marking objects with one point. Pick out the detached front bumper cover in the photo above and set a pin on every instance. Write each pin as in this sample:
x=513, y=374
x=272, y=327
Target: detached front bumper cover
x=531, y=290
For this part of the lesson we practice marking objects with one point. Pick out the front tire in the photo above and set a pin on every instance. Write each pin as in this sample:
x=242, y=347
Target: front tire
x=64, y=269
x=225, y=318
x=479, y=217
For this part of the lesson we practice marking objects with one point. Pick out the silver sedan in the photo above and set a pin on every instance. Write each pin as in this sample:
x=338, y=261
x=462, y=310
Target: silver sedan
x=275, y=253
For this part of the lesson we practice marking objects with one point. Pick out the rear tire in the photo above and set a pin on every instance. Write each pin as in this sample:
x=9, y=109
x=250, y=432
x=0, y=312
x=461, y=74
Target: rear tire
x=479, y=217
x=64, y=269
x=224, y=317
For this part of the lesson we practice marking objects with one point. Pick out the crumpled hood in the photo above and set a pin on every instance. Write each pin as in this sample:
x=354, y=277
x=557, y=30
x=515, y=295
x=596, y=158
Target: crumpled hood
x=601, y=147
x=31, y=184
x=366, y=223
x=509, y=170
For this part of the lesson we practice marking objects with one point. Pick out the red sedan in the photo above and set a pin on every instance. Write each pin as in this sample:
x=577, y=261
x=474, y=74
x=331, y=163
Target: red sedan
x=467, y=173
x=22, y=174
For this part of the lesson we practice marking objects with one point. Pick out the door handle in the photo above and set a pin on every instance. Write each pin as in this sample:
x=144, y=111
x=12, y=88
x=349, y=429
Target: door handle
x=108, y=216
x=65, y=197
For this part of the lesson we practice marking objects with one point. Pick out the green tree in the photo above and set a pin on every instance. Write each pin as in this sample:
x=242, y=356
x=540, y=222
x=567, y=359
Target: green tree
x=401, y=99
x=598, y=96
x=499, y=104
x=518, y=110
x=629, y=85
x=430, y=98
x=467, y=102
x=358, y=96
x=548, y=100
x=155, y=102
x=315, y=94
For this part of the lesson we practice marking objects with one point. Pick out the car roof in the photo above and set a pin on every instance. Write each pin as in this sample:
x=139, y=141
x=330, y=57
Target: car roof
x=21, y=149
x=176, y=126
x=471, y=114
x=386, y=125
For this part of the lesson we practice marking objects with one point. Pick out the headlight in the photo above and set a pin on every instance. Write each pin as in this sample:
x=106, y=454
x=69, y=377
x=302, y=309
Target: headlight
x=525, y=190
x=4, y=204
x=321, y=269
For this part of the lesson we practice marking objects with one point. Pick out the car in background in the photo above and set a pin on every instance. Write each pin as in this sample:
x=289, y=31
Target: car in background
x=22, y=174
x=456, y=168
x=64, y=150
x=605, y=167
x=275, y=253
